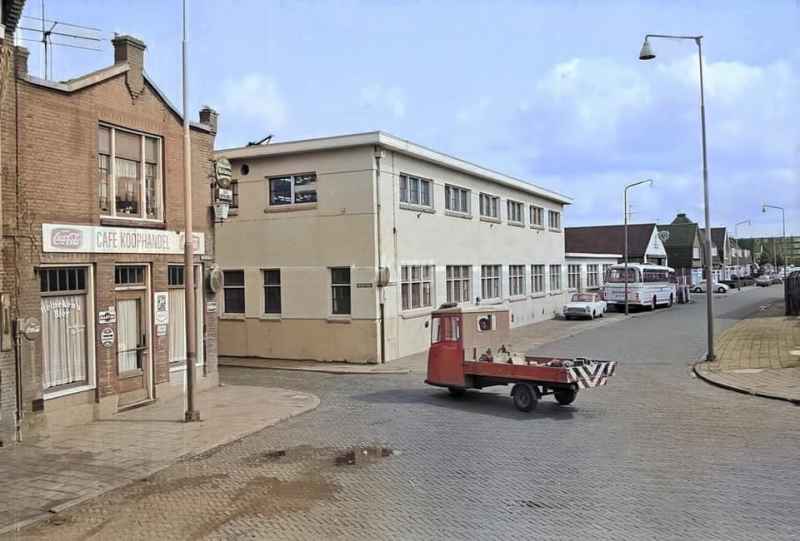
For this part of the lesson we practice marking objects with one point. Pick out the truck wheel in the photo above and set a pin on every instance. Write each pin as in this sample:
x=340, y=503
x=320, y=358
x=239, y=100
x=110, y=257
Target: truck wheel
x=456, y=391
x=565, y=397
x=524, y=396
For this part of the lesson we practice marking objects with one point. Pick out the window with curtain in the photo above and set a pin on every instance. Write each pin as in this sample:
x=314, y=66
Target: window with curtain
x=64, y=331
x=177, y=315
x=129, y=174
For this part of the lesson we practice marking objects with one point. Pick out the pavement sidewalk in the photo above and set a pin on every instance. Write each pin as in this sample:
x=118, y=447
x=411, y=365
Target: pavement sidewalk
x=522, y=339
x=759, y=355
x=74, y=463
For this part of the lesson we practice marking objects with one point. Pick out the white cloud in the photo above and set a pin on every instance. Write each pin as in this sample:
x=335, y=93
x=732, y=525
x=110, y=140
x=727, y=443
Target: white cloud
x=380, y=98
x=256, y=96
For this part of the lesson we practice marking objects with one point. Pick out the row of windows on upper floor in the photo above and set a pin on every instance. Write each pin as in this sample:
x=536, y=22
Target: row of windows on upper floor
x=301, y=189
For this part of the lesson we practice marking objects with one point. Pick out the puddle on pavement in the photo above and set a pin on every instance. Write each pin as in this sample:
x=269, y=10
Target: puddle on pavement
x=359, y=455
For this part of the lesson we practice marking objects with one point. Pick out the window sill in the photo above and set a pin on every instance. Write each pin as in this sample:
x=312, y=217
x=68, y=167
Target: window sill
x=456, y=214
x=556, y=292
x=516, y=224
x=490, y=219
x=131, y=374
x=290, y=208
x=48, y=395
x=415, y=313
x=538, y=295
x=490, y=302
x=517, y=298
x=133, y=222
x=555, y=229
x=232, y=317
x=346, y=319
x=270, y=317
x=417, y=208
x=539, y=227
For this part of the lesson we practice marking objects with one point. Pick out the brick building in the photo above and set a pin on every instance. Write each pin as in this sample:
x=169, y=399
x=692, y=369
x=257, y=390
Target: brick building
x=92, y=209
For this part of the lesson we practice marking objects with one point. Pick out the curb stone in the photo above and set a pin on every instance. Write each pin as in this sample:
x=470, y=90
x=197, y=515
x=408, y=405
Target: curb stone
x=704, y=375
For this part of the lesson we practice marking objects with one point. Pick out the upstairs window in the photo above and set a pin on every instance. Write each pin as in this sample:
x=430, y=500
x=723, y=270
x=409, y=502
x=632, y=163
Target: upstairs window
x=490, y=206
x=554, y=219
x=129, y=174
x=537, y=216
x=292, y=189
x=515, y=212
x=456, y=199
x=416, y=286
x=415, y=191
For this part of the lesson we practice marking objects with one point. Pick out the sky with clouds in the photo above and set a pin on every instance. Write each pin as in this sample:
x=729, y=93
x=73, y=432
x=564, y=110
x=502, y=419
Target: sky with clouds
x=548, y=91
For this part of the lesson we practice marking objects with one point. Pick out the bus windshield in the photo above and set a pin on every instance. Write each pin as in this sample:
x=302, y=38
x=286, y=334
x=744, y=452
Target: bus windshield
x=617, y=275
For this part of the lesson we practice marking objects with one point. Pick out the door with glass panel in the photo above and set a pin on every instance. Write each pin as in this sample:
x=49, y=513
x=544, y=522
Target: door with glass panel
x=133, y=363
x=177, y=316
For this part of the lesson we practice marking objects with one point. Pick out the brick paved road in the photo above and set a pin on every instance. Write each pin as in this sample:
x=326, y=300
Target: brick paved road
x=655, y=455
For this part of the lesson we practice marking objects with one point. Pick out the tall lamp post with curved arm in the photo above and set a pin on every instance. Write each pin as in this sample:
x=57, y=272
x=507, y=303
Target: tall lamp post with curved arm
x=647, y=54
x=764, y=208
x=625, y=209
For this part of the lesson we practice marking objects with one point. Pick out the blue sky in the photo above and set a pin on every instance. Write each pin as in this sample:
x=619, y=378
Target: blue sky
x=548, y=91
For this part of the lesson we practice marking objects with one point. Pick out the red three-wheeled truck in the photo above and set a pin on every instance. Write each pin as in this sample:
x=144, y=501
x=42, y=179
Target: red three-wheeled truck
x=470, y=349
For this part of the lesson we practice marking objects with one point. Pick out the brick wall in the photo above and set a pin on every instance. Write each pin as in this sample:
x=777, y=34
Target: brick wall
x=57, y=180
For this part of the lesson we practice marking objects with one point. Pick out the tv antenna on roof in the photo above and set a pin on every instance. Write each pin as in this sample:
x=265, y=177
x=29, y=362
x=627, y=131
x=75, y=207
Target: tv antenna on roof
x=69, y=35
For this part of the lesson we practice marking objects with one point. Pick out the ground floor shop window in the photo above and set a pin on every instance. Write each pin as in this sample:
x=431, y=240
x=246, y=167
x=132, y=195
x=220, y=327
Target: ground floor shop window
x=490, y=281
x=64, y=326
x=459, y=283
x=416, y=286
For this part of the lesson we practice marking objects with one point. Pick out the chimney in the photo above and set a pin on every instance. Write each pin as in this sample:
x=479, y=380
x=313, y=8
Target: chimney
x=129, y=50
x=209, y=117
x=20, y=61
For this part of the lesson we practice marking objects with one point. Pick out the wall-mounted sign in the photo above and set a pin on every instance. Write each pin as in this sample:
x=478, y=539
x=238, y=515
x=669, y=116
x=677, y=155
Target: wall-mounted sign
x=223, y=172
x=224, y=194
x=68, y=238
x=107, y=337
x=161, y=308
x=211, y=306
x=105, y=317
x=161, y=330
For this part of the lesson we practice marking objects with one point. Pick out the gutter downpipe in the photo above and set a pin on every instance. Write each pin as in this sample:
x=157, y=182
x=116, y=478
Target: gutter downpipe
x=378, y=152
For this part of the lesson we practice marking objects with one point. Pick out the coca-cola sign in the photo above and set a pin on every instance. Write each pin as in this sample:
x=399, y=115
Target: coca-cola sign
x=66, y=237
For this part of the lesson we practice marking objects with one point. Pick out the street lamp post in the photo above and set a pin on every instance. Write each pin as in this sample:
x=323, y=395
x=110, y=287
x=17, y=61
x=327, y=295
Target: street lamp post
x=647, y=54
x=738, y=257
x=625, y=211
x=764, y=208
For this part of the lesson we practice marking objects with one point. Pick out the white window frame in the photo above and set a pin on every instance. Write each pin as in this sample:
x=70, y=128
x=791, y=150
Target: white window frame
x=491, y=282
x=554, y=216
x=534, y=211
x=461, y=195
x=489, y=202
x=293, y=204
x=515, y=209
x=405, y=194
x=541, y=276
x=573, y=272
x=554, y=287
x=91, y=369
x=457, y=279
x=112, y=174
x=425, y=275
x=516, y=280
x=592, y=275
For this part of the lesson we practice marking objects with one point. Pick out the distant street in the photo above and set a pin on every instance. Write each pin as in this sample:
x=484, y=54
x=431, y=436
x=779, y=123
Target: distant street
x=657, y=454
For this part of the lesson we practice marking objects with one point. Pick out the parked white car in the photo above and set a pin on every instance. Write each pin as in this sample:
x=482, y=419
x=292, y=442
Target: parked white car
x=700, y=287
x=585, y=305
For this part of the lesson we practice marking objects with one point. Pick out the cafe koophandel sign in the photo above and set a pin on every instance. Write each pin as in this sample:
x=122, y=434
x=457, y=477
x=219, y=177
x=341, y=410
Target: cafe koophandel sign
x=91, y=239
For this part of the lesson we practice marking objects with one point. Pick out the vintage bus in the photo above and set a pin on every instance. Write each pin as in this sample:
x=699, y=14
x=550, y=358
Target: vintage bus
x=648, y=286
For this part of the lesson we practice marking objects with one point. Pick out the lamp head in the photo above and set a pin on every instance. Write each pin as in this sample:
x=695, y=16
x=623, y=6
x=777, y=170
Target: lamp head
x=647, y=52
x=763, y=208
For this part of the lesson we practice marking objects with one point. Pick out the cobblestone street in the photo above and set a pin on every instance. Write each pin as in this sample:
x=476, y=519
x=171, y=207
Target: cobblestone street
x=657, y=454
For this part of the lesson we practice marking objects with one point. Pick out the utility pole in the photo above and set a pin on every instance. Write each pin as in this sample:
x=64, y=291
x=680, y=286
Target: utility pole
x=191, y=413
